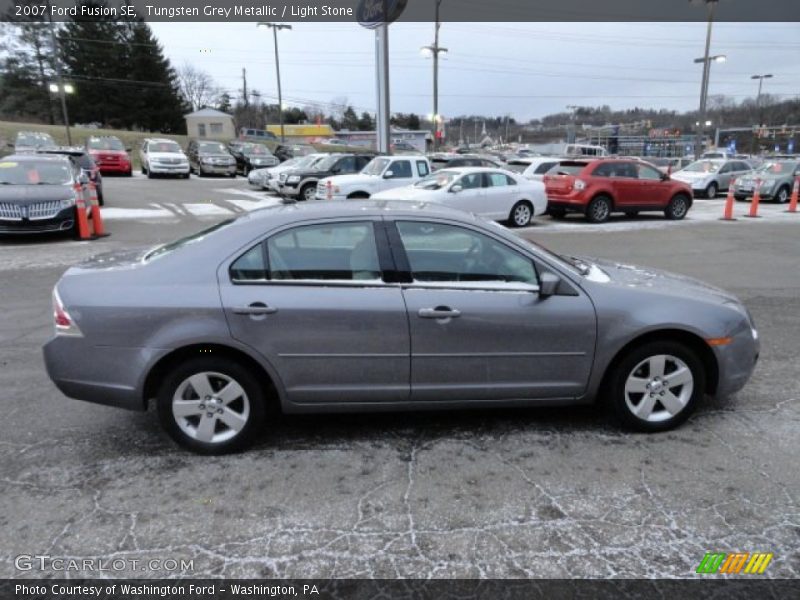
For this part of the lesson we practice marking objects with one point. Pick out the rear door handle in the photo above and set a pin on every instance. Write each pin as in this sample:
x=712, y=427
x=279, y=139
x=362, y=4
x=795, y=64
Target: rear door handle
x=440, y=312
x=256, y=308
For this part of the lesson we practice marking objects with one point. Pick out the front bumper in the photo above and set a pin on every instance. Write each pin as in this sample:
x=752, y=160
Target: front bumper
x=290, y=189
x=169, y=169
x=744, y=194
x=101, y=374
x=736, y=362
x=64, y=220
x=213, y=169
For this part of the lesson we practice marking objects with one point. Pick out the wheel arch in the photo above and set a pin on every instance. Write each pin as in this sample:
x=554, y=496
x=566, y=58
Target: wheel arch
x=358, y=194
x=606, y=193
x=159, y=370
x=687, y=338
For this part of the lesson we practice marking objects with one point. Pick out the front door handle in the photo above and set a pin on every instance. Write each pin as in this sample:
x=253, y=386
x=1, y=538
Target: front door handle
x=256, y=308
x=440, y=312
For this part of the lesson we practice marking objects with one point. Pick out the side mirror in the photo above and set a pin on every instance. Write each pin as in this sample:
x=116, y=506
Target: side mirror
x=548, y=284
x=665, y=177
x=456, y=188
x=388, y=174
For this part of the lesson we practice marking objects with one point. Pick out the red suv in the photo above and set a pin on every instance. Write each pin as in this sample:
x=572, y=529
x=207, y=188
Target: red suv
x=110, y=154
x=598, y=187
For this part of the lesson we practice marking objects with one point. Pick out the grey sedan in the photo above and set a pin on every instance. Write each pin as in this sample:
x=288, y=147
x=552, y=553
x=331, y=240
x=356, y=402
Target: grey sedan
x=371, y=306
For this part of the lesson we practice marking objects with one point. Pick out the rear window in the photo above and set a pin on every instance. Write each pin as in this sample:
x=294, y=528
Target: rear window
x=568, y=167
x=544, y=168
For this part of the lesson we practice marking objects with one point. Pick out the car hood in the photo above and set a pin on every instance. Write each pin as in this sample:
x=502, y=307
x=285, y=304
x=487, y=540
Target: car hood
x=29, y=194
x=764, y=176
x=352, y=179
x=408, y=192
x=166, y=155
x=633, y=276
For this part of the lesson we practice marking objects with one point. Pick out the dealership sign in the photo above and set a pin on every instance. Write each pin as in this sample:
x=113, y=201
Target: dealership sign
x=372, y=13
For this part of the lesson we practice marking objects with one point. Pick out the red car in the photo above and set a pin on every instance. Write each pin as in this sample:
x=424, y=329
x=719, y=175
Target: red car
x=599, y=187
x=109, y=154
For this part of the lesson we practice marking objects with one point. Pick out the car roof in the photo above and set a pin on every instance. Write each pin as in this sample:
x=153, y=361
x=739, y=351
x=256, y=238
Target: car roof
x=465, y=170
x=66, y=150
x=159, y=140
x=38, y=156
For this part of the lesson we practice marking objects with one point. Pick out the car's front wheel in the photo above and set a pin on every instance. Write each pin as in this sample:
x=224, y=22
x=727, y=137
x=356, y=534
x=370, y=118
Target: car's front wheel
x=677, y=208
x=521, y=214
x=211, y=405
x=309, y=191
x=711, y=191
x=782, y=197
x=656, y=386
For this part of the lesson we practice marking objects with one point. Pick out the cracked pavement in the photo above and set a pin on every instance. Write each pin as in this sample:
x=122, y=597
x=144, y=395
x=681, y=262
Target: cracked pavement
x=494, y=494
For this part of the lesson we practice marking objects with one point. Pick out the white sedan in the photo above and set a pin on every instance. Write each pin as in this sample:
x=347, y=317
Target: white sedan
x=492, y=193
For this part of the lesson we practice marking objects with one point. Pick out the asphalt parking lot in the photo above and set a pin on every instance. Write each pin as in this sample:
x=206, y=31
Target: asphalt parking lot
x=512, y=493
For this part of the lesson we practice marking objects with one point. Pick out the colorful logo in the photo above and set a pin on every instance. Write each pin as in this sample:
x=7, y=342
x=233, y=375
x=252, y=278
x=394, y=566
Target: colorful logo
x=732, y=564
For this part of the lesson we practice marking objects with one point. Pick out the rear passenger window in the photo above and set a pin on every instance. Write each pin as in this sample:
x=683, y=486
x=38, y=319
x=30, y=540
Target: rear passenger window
x=250, y=266
x=337, y=251
x=401, y=169
x=422, y=168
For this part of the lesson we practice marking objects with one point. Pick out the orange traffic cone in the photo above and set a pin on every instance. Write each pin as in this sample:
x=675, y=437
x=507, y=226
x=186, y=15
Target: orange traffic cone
x=97, y=219
x=753, y=214
x=795, y=194
x=80, y=214
x=728, y=214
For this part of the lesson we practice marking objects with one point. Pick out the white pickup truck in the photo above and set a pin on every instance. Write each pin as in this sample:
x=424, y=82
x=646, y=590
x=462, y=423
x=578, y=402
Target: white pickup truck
x=382, y=173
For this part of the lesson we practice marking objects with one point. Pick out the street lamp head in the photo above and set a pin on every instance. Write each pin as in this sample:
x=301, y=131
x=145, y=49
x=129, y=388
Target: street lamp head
x=719, y=58
x=426, y=51
x=276, y=26
x=768, y=76
x=53, y=88
x=69, y=88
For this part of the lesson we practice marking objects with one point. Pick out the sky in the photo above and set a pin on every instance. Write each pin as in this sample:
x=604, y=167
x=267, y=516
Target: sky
x=525, y=70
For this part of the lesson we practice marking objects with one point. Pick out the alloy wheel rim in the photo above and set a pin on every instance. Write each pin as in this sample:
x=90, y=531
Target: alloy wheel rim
x=210, y=407
x=600, y=211
x=309, y=193
x=659, y=388
x=522, y=216
x=783, y=196
x=679, y=209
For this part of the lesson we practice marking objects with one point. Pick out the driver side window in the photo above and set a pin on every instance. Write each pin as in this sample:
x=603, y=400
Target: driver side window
x=448, y=254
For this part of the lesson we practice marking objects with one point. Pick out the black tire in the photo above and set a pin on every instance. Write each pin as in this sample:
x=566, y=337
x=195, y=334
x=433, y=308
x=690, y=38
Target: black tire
x=783, y=195
x=358, y=196
x=599, y=209
x=711, y=191
x=147, y=172
x=625, y=367
x=519, y=216
x=228, y=368
x=100, y=200
x=305, y=190
x=129, y=173
x=557, y=213
x=677, y=207
x=246, y=170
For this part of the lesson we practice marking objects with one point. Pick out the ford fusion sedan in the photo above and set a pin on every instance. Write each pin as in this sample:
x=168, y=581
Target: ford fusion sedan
x=710, y=176
x=372, y=306
x=775, y=179
x=492, y=193
x=163, y=157
x=38, y=193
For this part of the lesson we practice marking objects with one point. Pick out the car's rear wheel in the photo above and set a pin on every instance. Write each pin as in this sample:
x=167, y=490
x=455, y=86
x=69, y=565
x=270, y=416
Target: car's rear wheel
x=782, y=197
x=308, y=191
x=211, y=405
x=677, y=208
x=656, y=386
x=599, y=209
x=711, y=190
x=521, y=214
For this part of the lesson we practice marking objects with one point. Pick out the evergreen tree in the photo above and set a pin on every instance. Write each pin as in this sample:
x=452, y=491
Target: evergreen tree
x=366, y=123
x=350, y=119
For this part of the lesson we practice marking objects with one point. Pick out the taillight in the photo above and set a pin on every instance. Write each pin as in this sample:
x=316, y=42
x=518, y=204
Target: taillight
x=63, y=321
x=580, y=184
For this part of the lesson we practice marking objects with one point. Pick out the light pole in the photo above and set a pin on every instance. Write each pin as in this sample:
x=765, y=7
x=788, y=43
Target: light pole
x=761, y=79
x=275, y=27
x=62, y=89
x=706, y=60
x=434, y=50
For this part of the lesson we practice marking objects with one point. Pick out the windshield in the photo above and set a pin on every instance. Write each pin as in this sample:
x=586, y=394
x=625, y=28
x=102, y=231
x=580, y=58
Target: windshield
x=256, y=150
x=327, y=163
x=212, y=148
x=189, y=239
x=703, y=166
x=376, y=166
x=34, y=139
x=32, y=172
x=165, y=147
x=105, y=144
x=784, y=167
x=438, y=180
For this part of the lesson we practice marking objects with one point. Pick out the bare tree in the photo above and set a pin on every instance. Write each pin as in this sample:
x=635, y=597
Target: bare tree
x=197, y=87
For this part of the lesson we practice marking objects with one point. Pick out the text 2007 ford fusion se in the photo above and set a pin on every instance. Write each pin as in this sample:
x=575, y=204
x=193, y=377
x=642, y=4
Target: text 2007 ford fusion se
x=371, y=305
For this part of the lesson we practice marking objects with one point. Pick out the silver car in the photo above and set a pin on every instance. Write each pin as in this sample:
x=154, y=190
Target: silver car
x=775, y=180
x=710, y=176
x=371, y=306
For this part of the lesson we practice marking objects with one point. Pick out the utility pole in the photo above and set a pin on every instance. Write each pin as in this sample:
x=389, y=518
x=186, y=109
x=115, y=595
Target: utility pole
x=275, y=27
x=59, y=74
x=706, y=60
x=434, y=51
x=761, y=79
x=244, y=87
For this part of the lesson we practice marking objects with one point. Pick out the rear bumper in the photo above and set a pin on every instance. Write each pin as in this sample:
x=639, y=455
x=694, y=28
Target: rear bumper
x=100, y=374
x=566, y=203
x=123, y=168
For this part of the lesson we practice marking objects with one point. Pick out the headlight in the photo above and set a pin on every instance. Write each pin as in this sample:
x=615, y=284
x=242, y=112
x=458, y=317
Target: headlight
x=293, y=179
x=767, y=184
x=67, y=202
